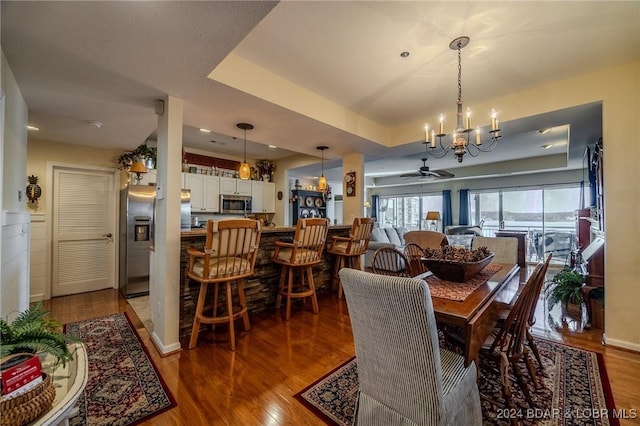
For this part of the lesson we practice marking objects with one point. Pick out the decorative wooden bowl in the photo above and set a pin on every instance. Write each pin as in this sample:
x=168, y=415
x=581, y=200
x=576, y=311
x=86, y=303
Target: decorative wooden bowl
x=460, y=272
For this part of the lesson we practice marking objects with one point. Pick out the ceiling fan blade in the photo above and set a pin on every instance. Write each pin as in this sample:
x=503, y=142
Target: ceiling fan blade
x=415, y=174
x=442, y=174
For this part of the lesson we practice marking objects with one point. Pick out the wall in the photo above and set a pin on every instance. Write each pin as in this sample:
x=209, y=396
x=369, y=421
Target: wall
x=14, y=254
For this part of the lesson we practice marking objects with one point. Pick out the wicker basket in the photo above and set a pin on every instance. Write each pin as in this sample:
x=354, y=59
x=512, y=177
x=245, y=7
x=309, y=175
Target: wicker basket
x=26, y=407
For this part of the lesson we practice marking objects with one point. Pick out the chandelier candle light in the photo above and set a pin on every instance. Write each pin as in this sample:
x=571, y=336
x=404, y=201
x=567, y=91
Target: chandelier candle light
x=322, y=182
x=245, y=170
x=460, y=138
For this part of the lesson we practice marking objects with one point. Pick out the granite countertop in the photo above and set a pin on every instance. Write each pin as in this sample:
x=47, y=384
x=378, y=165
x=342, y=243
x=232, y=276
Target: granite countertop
x=266, y=230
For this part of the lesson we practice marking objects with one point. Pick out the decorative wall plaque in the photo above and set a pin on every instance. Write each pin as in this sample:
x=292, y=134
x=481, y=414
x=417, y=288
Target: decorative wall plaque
x=350, y=180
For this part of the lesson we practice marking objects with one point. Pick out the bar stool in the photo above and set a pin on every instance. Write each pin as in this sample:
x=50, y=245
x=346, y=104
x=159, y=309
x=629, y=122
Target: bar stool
x=304, y=252
x=348, y=250
x=229, y=256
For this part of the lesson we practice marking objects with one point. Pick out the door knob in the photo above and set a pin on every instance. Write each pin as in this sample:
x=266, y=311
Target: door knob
x=108, y=236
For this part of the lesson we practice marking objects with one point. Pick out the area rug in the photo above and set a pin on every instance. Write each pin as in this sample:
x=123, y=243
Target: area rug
x=123, y=386
x=574, y=391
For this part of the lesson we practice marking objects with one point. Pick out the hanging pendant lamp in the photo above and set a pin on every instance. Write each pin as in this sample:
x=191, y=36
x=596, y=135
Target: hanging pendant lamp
x=322, y=182
x=245, y=170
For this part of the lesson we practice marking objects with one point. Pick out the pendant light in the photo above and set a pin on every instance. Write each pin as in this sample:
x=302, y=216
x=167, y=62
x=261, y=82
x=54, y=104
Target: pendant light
x=245, y=170
x=322, y=182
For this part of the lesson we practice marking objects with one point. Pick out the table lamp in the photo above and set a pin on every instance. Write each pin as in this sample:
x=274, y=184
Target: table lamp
x=434, y=217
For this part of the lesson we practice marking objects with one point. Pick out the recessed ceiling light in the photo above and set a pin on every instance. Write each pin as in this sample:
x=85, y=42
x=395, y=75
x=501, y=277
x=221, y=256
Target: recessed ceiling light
x=272, y=146
x=95, y=124
x=404, y=54
x=34, y=128
x=547, y=146
x=544, y=131
x=205, y=130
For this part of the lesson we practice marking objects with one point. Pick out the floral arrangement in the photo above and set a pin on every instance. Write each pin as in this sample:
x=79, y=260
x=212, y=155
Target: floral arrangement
x=142, y=153
x=266, y=167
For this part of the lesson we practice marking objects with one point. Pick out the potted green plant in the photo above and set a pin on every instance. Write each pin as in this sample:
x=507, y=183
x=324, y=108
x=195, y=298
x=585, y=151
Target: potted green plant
x=565, y=287
x=147, y=154
x=33, y=331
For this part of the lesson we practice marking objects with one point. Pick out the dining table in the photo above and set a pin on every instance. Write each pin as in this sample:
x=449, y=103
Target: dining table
x=476, y=315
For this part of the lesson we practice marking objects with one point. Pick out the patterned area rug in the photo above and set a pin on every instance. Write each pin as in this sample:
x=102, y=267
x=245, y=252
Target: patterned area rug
x=124, y=386
x=574, y=391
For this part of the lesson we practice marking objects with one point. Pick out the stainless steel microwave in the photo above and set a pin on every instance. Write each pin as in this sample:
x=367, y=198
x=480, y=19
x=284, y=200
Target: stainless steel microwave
x=235, y=204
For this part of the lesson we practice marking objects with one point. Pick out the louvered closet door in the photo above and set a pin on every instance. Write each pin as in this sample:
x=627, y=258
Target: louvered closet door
x=83, y=231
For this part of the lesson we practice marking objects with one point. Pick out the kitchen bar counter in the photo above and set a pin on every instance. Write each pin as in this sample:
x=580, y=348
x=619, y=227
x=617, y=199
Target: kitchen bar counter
x=261, y=289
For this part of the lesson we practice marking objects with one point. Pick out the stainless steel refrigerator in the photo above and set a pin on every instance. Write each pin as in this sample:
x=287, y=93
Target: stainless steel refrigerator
x=137, y=214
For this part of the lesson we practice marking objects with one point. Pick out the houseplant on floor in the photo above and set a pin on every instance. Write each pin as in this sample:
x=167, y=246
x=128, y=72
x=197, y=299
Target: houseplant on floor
x=33, y=331
x=565, y=287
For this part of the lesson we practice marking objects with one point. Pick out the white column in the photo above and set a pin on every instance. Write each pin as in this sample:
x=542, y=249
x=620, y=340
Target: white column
x=164, y=294
x=352, y=207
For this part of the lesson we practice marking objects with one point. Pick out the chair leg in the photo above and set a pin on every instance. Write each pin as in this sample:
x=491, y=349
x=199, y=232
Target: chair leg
x=215, y=303
x=335, y=279
x=521, y=382
x=342, y=265
x=534, y=349
x=289, y=291
x=232, y=334
x=312, y=287
x=531, y=369
x=243, y=304
x=196, y=318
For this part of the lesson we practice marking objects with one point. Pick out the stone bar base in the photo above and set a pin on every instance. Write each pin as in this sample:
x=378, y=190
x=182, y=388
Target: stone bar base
x=261, y=289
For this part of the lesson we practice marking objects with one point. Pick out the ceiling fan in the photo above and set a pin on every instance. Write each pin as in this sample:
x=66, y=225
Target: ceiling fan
x=424, y=172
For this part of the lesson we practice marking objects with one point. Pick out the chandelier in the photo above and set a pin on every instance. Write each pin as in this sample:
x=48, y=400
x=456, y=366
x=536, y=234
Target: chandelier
x=460, y=141
x=245, y=170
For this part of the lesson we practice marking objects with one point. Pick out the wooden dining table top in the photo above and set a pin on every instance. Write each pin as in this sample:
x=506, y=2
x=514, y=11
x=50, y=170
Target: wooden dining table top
x=478, y=313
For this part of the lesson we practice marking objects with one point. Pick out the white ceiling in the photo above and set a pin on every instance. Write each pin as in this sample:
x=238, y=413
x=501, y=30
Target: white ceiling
x=108, y=61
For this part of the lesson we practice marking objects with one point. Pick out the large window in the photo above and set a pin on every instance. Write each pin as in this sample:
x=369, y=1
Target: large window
x=408, y=211
x=546, y=214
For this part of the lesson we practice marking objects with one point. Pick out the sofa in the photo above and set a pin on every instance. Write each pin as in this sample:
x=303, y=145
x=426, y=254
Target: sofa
x=384, y=237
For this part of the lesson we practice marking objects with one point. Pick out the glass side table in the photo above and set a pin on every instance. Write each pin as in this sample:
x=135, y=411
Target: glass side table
x=69, y=382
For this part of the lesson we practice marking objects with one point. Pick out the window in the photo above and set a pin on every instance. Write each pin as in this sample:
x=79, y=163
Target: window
x=546, y=214
x=408, y=211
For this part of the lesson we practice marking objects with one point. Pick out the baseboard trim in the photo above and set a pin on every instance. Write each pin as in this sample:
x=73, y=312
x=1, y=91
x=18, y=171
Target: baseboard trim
x=39, y=297
x=621, y=344
x=164, y=350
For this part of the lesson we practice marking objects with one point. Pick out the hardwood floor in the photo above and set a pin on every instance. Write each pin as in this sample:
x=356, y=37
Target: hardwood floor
x=255, y=384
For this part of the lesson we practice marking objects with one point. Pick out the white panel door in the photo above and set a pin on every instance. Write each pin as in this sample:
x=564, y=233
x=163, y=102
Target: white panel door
x=83, y=231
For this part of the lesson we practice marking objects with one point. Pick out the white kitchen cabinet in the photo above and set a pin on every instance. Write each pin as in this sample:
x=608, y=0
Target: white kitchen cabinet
x=205, y=192
x=263, y=197
x=232, y=186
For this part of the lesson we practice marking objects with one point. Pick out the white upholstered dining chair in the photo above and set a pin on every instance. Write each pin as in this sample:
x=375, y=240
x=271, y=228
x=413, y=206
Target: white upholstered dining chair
x=404, y=376
x=505, y=249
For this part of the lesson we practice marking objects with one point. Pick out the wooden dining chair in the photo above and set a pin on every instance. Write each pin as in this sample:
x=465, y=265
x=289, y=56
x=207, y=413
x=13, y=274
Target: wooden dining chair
x=304, y=252
x=507, y=344
x=531, y=320
x=348, y=250
x=414, y=253
x=228, y=257
x=390, y=261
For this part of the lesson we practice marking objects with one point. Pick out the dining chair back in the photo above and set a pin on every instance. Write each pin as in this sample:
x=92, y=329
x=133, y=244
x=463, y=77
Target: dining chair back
x=507, y=344
x=414, y=253
x=390, y=261
x=505, y=249
x=404, y=375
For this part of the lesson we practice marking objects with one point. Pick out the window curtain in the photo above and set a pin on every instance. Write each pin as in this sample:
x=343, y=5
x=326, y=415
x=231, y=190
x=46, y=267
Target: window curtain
x=463, y=212
x=447, y=217
x=375, y=202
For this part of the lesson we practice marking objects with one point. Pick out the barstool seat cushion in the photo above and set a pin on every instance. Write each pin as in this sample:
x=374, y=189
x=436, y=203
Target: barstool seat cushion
x=302, y=255
x=222, y=267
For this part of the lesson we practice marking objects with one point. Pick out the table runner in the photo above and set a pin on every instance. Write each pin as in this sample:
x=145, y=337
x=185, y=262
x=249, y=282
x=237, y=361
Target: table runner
x=460, y=291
